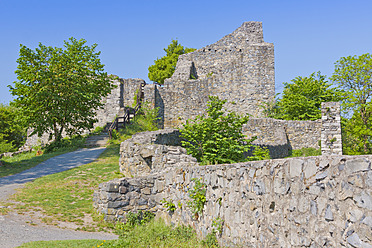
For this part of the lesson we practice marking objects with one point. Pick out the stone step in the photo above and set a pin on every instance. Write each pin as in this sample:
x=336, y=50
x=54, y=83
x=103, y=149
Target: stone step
x=97, y=140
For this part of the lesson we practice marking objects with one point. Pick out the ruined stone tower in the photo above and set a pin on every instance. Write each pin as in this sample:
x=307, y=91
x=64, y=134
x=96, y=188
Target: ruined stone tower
x=238, y=68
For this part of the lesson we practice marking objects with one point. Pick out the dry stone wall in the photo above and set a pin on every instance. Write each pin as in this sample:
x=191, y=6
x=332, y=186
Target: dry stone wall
x=323, y=201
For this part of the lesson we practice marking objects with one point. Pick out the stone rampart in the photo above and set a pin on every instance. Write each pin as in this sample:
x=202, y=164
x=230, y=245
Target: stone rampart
x=323, y=201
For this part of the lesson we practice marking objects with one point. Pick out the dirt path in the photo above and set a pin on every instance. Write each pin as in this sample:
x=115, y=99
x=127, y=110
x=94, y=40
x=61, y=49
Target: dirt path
x=17, y=229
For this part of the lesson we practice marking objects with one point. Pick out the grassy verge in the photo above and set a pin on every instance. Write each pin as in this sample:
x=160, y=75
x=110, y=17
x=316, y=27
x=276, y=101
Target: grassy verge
x=153, y=234
x=64, y=243
x=21, y=162
x=67, y=196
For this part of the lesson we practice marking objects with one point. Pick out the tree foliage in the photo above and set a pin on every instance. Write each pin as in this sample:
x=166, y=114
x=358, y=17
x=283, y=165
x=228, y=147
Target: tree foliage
x=301, y=99
x=60, y=89
x=12, y=133
x=218, y=137
x=354, y=75
x=165, y=66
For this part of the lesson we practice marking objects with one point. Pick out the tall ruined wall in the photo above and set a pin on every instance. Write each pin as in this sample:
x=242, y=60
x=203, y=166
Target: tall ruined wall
x=323, y=201
x=111, y=106
x=239, y=68
x=130, y=89
x=121, y=96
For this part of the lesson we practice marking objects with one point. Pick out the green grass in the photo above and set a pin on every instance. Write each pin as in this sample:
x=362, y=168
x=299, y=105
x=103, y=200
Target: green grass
x=24, y=161
x=64, y=243
x=305, y=152
x=157, y=234
x=153, y=234
x=67, y=196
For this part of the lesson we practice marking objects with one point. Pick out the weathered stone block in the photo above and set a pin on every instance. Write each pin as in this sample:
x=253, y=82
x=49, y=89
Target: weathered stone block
x=364, y=200
x=357, y=165
x=295, y=167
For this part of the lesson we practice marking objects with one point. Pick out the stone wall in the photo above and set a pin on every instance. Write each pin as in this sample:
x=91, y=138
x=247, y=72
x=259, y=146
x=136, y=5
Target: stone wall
x=298, y=134
x=331, y=128
x=323, y=201
x=111, y=106
x=153, y=151
x=239, y=68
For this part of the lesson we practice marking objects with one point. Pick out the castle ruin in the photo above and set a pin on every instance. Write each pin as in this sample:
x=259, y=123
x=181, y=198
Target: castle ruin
x=238, y=68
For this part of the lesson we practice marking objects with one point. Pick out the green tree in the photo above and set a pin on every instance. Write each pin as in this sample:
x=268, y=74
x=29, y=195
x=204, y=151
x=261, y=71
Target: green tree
x=301, y=99
x=354, y=75
x=12, y=133
x=60, y=89
x=218, y=137
x=165, y=66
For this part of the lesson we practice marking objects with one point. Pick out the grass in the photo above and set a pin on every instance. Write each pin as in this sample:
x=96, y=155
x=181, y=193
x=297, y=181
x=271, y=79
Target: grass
x=305, y=152
x=24, y=161
x=67, y=196
x=157, y=234
x=64, y=243
x=153, y=234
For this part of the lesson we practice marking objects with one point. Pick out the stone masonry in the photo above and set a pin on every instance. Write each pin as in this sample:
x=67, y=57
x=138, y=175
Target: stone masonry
x=331, y=128
x=148, y=152
x=238, y=68
x=321, y=201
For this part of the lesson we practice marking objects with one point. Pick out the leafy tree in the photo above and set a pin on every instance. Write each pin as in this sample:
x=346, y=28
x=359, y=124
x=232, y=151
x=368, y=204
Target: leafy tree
x=12, y=132
x=354, y=75
x=60, y=89
x=301, y=99
x=165, y=66
x=218, y=137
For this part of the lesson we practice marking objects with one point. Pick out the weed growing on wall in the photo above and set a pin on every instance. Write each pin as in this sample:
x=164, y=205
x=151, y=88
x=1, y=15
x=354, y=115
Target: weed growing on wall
x=169, y=205
x=197, y=197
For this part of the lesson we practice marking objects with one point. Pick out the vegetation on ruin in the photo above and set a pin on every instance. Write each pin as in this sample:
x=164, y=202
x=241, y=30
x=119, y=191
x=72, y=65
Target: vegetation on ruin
x=165, y=66
x=197, y=197
x=60, y=89
x=218, y=137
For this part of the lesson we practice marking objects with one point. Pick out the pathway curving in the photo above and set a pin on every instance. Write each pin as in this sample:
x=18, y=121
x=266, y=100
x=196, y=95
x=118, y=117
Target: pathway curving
x=13, y=228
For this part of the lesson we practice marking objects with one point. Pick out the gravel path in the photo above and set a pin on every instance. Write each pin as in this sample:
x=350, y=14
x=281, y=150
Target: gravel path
x=13, y=227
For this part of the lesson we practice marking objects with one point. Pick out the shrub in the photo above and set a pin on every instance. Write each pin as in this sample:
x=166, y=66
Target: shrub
x=218, y=137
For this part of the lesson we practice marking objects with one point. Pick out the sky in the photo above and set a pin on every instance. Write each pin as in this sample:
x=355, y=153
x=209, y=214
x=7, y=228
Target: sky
x=308, y=35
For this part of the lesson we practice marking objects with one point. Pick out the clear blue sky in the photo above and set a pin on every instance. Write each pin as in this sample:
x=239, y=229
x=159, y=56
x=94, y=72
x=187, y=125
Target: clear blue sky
x=309, y=35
